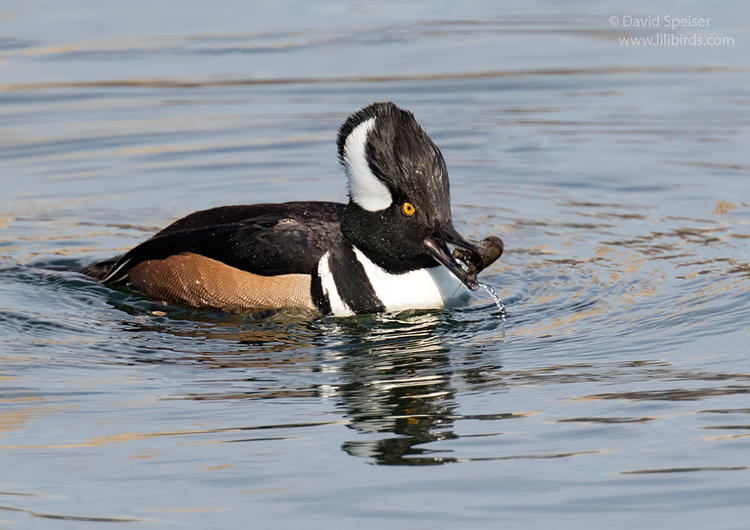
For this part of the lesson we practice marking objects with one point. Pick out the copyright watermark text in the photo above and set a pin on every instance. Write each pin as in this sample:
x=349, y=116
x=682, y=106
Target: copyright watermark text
x=659, y=21
x=671, y=31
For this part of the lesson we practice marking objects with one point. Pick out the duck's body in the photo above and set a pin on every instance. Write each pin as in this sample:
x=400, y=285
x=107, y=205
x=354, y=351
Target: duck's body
x=377, y=253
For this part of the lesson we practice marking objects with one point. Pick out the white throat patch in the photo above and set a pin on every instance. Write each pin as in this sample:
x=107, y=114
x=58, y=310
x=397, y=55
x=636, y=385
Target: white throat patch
x=364, y=187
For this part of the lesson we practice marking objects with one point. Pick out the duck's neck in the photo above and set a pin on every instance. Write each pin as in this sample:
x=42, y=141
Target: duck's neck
x=376, y=236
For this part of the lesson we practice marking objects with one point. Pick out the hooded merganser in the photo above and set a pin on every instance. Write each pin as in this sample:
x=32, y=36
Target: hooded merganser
x=386, y=250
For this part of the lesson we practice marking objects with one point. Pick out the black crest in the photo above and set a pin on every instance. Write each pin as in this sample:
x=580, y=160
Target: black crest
x=401, y=154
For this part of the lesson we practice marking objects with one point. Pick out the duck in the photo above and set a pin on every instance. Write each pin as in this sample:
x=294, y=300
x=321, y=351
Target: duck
x=392, y=247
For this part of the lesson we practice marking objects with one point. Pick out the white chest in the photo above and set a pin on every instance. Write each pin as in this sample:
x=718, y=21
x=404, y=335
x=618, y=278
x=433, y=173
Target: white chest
x=421, y=289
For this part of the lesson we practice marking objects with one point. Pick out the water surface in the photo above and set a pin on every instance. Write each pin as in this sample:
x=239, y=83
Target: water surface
x=613, y=394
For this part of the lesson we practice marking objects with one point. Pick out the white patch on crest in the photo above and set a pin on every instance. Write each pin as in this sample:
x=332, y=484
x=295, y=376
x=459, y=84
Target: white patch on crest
x=364, y=187
x=431, y=288
x=328, y=285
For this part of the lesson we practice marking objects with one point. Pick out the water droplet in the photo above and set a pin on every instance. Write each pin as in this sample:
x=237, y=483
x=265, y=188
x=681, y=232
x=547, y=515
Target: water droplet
x=495, y=297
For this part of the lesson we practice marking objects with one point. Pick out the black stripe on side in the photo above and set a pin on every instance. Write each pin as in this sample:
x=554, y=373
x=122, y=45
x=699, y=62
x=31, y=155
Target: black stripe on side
x=320, y=299
x=352, y=283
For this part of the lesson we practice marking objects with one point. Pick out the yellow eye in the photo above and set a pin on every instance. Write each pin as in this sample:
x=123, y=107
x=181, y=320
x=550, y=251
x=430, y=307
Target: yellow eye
x=409, y=208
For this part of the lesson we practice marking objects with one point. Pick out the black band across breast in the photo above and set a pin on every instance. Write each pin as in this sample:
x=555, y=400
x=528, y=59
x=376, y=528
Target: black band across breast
x=319, y=297
x=352, y=283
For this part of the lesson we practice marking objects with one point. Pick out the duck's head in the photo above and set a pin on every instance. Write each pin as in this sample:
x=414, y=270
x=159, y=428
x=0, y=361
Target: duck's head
x=399, y=210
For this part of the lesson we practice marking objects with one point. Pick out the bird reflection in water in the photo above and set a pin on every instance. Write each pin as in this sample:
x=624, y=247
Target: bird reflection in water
x=391, y=375
x=399, y=382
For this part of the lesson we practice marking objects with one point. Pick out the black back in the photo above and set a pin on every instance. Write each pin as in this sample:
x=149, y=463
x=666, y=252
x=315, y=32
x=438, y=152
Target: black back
x=266, y=239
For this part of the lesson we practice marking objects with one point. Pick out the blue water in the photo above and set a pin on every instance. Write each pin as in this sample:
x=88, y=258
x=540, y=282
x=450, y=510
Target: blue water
x=614, y=393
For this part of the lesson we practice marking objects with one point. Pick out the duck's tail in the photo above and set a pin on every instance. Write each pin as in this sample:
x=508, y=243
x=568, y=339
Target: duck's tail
x=101, y=270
